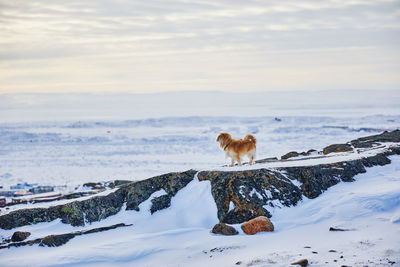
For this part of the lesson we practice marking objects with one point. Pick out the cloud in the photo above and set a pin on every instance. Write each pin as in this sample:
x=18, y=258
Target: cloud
x=189, y=33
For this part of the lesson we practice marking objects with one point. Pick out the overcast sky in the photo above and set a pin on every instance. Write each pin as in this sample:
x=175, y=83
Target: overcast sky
x=228, y=45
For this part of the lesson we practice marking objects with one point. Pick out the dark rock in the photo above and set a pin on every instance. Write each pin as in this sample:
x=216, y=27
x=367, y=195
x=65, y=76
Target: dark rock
x=160, y=203
x=171, y=182
x=250, y=191
x=337, y=148
x=337, y=229
x=302, y=262
x=332, y=250
x=291, y=154
x=95, y=186
x=370, y=141
x=97, y=208
x=238, y=263
x=224, y=229
x=117, y=183
x=56, y=240
x=20, y=236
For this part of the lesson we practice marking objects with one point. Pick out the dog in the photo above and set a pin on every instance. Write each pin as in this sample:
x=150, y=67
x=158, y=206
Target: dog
x=237, y=148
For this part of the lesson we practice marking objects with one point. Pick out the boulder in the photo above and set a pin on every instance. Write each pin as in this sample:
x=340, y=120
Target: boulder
x=291, y=154
x=20, y=236
x=256, y=225
x=224, y=229
x=337, y=148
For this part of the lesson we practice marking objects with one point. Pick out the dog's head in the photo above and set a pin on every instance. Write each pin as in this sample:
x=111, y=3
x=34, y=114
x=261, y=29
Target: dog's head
x=223, y=139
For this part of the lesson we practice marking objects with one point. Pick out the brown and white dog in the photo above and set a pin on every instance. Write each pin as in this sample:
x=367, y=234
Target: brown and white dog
x=237, y=148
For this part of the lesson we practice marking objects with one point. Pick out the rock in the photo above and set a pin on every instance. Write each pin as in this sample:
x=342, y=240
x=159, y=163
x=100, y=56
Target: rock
x=369, y=141
x=224, y=229
x=250, y=191
x=56, y=240
x=302, y=262
x=20, y=236
x=160, y=203
x=256, y=225
x=337, y=229
x=95, y=186
x=291, y=154
x=337, y=148
x=97, y=208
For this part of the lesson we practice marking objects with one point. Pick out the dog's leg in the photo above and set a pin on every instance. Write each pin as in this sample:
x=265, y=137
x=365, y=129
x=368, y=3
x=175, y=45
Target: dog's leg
x=239, y=160
x=232, y=162
x=252, y=155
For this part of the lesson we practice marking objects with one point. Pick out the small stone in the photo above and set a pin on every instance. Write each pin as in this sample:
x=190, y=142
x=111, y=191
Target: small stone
x=314, y=252
x=302, y=262
x=332, y=250
x=224, y=229
x=333, y=229
x=20, y=236
x=259, y=224
x=238, y=263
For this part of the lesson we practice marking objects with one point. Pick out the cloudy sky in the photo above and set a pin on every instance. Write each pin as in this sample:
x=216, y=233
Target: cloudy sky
x=228, y=45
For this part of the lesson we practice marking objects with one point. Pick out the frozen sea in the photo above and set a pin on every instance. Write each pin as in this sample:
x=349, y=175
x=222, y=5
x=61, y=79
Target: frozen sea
x=70, y=139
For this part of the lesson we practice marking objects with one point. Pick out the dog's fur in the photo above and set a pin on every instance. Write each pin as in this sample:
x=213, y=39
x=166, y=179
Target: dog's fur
x=237, y=148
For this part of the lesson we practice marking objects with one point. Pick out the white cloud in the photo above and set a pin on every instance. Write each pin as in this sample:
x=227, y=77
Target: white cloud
x=163, y=42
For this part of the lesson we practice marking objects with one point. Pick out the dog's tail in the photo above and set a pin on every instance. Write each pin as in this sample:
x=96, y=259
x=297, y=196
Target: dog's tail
x=251, y=138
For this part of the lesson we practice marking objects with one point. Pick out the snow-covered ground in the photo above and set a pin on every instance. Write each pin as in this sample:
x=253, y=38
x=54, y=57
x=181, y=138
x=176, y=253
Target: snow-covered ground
x=69, y=140
x=180, y=235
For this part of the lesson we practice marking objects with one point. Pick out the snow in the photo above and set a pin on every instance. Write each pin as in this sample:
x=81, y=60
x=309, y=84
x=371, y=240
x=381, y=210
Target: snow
x=180, y=235
x=72, y=139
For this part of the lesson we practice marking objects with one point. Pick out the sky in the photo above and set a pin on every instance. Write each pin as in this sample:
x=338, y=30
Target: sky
x=158, y=46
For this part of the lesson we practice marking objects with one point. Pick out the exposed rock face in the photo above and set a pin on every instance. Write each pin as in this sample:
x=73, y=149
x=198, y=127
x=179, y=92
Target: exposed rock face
x=97, y=208
x=20, y=236
x=140, y=191
x=160, y=203
x=224, y=229
x=256, y=225
x=370, y=141
x=251, y=192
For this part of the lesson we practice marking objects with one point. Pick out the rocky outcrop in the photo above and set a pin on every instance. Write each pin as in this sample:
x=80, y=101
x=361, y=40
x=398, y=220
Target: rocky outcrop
x=254, y=192
x=59, y=240
x=251, y=192
x=239, y=195
x=256, y=225
x=224, y=229
x=96, y=208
